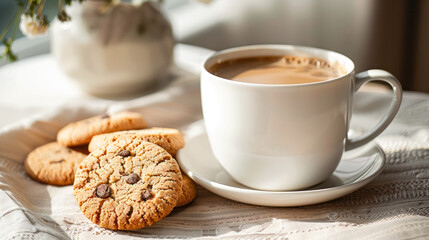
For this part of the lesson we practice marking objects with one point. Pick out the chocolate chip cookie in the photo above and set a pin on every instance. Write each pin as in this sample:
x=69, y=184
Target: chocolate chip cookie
x=188, y=193
x=127, y=185
x=81, y=132
x=168, y=138
x=53, y=164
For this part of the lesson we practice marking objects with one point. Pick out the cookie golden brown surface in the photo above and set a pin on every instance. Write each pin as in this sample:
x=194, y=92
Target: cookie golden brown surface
x=81, y=132
x=168, y=138
x=53, y=164
x=188, y=193
x=128, y=185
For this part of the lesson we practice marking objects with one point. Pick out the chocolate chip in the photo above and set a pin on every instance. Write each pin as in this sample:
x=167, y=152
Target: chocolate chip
x=146, y=195
x=132, y=178
x=104, y=115
x=124, y=153
x=130, y=212
x=102, y=191
x=57, y=161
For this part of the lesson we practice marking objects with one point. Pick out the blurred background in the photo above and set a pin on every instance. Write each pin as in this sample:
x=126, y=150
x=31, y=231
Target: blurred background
x=387, y=34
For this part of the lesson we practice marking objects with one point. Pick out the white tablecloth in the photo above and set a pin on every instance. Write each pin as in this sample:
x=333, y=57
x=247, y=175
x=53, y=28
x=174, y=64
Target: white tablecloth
x=34, y=106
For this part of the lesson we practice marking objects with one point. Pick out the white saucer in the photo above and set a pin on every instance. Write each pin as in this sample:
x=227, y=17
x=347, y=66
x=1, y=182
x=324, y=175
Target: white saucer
x=356, y=169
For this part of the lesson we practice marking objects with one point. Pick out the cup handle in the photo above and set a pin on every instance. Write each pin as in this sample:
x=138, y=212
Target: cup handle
x=360, y=80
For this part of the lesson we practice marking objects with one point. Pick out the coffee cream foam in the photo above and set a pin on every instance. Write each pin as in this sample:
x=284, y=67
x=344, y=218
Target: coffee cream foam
x=277, y=70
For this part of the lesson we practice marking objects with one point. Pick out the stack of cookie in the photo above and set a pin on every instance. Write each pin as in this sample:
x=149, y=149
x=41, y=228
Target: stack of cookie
x=125, y=178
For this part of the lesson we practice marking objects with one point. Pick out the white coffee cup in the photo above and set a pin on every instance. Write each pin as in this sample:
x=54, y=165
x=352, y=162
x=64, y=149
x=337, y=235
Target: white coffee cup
x=285, y=137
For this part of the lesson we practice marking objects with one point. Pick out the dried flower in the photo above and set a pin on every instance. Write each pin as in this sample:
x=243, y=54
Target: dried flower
x=34, y=25
x=63, y=17
x=7, y=52
x=62, y=14
x=32, y=7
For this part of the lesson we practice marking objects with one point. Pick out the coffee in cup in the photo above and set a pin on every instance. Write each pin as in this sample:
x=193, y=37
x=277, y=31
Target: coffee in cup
x=277, y=70
x=277, y=116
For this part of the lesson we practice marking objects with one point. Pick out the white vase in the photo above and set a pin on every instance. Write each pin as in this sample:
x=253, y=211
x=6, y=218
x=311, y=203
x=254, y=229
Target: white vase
x=113, y=51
